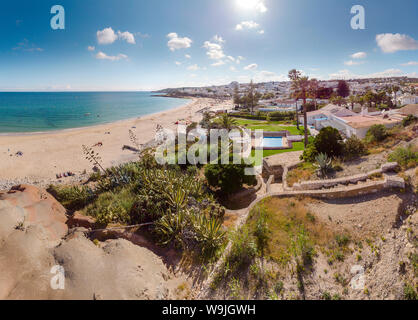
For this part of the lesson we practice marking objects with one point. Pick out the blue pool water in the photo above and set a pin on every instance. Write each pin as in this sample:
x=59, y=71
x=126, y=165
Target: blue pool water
x=40, y=111
x=321, y=119
x=274, y=142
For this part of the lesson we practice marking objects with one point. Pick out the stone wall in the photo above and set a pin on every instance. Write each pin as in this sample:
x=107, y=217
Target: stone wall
x=329, y=183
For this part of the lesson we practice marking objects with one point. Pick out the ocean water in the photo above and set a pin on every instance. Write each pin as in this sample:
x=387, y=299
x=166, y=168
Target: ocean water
x=40, y=111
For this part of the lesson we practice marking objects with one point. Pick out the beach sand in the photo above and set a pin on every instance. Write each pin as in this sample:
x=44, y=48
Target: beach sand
x=47, y=154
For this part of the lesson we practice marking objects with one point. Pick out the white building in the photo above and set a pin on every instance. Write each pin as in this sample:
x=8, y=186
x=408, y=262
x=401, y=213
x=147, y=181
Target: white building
x=348, y=122
x=408, y=99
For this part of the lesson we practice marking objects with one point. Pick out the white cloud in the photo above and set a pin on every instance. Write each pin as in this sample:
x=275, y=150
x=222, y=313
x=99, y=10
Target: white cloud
x=232, y=68
x=346, y=74
x=247, y=25
x=127, y=36
x=218, y=64
x=353, y=63
x=218, y=39
x=269, y=76
x=177, y=63
x=188, y=56
x=215, y=50
x=261, y=32
x=359, y=55
x=253, y=66
x=106, y=36
x=410, y=63
x=103, y=56
x=194, y=67
x=91, y=48
x=177, y=43
x=390, y=43
x=257, y=5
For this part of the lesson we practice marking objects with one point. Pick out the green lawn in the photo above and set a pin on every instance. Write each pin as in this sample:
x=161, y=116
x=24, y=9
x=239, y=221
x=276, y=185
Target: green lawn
x=271, y=127
x=268, y=126
x=297, y=146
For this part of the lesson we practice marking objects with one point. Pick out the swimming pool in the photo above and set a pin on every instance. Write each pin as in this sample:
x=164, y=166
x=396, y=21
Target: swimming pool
x=272, y=142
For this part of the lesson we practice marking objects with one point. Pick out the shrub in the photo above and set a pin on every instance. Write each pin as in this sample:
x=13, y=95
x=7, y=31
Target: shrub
x=409, y=120
x=72, y=198
x=328, y=141
x=377, y=133
x=243, y=249
x=112, y=207
x=229, y=178
x=409, y=292
x=261, y=231
x=309, y=153
x=354, y=148
x=405, y=157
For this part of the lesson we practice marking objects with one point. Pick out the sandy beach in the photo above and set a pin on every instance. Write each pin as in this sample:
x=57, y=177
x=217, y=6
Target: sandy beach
x=46, y=154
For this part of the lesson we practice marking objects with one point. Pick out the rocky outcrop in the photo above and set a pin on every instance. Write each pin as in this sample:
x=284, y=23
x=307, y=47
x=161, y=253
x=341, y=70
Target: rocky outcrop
x=35, y=238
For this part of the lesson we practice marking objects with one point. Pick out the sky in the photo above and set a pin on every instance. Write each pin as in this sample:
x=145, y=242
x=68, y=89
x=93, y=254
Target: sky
x=130, y=45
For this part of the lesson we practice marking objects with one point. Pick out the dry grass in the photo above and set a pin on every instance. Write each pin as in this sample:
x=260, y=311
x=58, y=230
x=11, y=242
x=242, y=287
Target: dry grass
x=230, y=220
x=285, y=217
x=303, y=172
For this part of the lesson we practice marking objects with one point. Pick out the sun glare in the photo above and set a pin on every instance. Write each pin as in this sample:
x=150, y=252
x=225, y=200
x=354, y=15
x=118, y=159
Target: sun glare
x=249, y=4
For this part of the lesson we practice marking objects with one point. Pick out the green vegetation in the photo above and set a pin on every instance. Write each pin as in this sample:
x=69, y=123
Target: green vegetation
x=324, y=164
x=376, y=133
x=409, y=292
x=328, y=141
x=354, y=148
x=303, y=172
x=405, y=157
x=409, y=120
x=229, y=178
x=174, y=202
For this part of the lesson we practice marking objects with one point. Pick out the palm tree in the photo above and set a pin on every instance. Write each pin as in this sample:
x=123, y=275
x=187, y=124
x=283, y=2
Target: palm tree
x=313, y=90
x=301, y=86
x=227, y=122
x=294, y=75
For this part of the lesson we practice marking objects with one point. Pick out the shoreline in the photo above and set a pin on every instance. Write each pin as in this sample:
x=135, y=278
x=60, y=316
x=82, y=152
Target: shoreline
x=36, y=158
x=16, y=134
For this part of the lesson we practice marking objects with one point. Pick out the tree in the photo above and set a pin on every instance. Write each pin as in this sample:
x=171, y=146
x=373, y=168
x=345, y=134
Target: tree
x=343, y=89
x=329, y=141
x=301, y=86
x=369, y=98
x=227, y=122
x=252, y=97
x=338, y=100
x=352, y=99
x=237, y=98
x=325, y=93
x=314, y=90
x=294, y=75
x=229, y=178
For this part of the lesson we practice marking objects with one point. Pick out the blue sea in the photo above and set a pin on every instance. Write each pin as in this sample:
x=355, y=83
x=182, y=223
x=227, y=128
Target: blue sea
x=41, y=111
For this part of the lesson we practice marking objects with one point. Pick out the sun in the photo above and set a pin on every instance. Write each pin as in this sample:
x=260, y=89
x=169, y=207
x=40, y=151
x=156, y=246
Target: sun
x=251, y=5
x=247, y=4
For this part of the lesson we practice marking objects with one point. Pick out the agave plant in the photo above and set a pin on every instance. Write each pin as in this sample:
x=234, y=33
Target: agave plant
x=324, y=164
x=170, y=227
x=209, y=233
